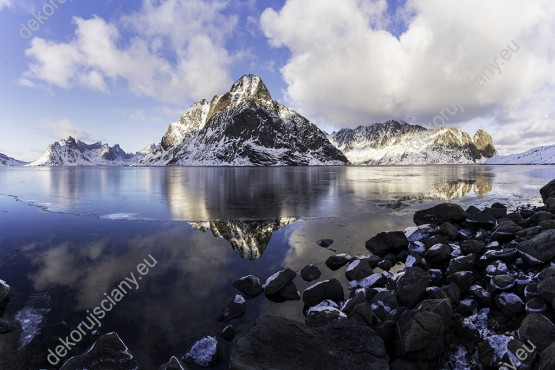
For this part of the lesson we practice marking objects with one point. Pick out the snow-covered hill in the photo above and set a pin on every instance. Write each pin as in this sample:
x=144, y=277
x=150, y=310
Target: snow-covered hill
x=540, y=155
x=9, y=161
x=395, y=142
x=71, y=152
x=243, y=127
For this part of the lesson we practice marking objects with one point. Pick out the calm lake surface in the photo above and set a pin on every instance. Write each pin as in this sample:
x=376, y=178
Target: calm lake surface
x=69, y=235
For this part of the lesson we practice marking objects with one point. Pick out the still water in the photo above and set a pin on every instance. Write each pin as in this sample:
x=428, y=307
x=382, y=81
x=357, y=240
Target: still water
x=69, y=235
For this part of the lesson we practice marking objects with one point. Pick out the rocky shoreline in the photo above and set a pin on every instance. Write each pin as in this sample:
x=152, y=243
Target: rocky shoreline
x=463, y=289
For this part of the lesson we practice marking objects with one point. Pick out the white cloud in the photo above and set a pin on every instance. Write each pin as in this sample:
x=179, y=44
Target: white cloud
x=62, y=129
x=175, y=53
x=5, y=4
x=347, y=69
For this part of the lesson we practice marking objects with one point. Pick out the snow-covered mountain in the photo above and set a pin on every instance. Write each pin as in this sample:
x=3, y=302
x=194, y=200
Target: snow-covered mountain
x=9, y=161
x=540, y=155
x=243, y=127
x=248, y=238
x=395, y=142
x=71, y=152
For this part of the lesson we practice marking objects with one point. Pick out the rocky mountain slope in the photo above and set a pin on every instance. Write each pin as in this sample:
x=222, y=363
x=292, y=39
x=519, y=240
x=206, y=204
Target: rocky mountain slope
x=540, y=155
x=395, y=142
x=243, y=127
x=71, y=152
x=9, y=161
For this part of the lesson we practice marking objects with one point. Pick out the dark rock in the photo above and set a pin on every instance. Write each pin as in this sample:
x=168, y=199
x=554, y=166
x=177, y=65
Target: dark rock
x=436, y=276
x=515, y=217
x=482, y=295
x=386, y=265
x=373, y=260
x=472, y=210
x=472, y=246
x=6, y=326
x=235, y=308
x=4, y=290
x=445, y=212
x=530, y=232
x=173, y=364
x=207, y=352
x=510, y=304
x=421, y=232
x=441, y=307
x=328, y=289
x=249, y=285
x=279, y=343
x=228, y=333
x=547, y=357
x=453, y=292
x=310, y=273
x=372, y=281
x=538, y=329
x=358, y=269
x=496, y=212
x=323, y=314
x=467, y=306
x=462, y=263
x=438, y=253
x=531, y=291
x=412, y=285
x=548, y=191
x=463, y=279
x=538, y=218
x=288, y=293
x=505, y=230
x=363, y=313
x=324, y=243
x=546, y=273
x=387, y=242
x=550, y=204
x=108, y=352
x=536, y=305
x=436, y=239
x=336, y=262
x=502, y=282
x=278, y=281
x=449, y=230
x=546, y=289
x=547, y=224
x=540, y=249
x=357, y=298
x=383, y=303
x=481, y=220
x=420, y=335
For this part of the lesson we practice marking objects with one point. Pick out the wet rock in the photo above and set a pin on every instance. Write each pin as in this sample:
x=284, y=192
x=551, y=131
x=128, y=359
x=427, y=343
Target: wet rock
x=540, y=249
x=510, y=304
x=515, y=217
x=358, y=269
x=336, y=262
x=324, y=290
x=547, y=357
x=4, y=290
x=372, y=281
x=6, y=326
x=228, y=333
x=530, y=232
x=288, y=293
x=441, y=307
x=472, y=246
x=463, y=279
x=386, y=265
x=445, y=212
x=421, y=232
x=438, y=253
x=173, y=364
x=498, y=211
x=358, y=297
x=323, y=314
x=363, y=313
x=235, y=308
x=278, y=281
x=249, y=285
x=420, y=335
x=207, y=352
x=502, y=282
x=324, y=243
x=310, y=273
x=536, y=305
x=548, y=191
x=546, y=289
x=383, y=303
x=538, y=218
x=387, y=242
x=279, y=343
x=463, y=263
x=550, y=204
x=547, y=224
x=538, y=329
x=505, y=230
x=473, y=210
x=449, y=230
x=412, y=285
x=108, y=352
x=481, y=220
x=467, y=306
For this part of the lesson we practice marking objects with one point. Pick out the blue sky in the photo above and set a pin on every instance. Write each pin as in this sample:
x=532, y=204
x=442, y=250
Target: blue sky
x=121, y=71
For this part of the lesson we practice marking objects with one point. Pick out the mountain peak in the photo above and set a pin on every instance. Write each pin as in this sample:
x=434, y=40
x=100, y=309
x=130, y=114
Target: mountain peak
x=251, y=86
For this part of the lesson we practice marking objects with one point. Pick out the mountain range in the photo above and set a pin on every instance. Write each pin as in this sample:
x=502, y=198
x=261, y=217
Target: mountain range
x=9, y=161
x=246, y=127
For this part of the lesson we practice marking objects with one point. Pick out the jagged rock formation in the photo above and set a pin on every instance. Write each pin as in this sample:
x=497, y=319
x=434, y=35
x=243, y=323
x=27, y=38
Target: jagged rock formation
x=248, y=238
x=395, y=142
x=244, y=127
x=71, y=152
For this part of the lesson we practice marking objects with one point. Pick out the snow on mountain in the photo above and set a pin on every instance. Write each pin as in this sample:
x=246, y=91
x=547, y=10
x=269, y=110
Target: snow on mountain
x=540, y=155
x=243, y=127
x=9, y=161
x=71, y=152
x=395, y=142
